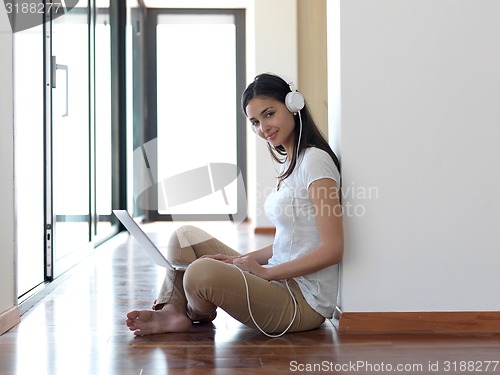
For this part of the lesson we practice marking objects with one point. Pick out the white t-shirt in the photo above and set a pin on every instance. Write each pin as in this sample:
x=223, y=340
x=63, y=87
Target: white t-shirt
x=291, y=211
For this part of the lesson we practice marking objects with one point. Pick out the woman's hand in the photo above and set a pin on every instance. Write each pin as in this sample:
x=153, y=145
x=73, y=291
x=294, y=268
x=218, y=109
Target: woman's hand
x=249, y=264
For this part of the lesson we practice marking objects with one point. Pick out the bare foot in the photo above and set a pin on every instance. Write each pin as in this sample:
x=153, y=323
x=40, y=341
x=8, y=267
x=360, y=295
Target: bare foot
x=168, y=319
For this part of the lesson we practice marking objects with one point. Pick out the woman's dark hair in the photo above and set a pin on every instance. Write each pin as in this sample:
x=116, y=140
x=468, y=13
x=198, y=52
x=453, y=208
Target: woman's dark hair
x=273, y=86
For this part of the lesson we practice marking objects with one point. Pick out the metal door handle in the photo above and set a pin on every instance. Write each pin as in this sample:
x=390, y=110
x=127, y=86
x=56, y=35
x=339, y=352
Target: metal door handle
x=55, y=67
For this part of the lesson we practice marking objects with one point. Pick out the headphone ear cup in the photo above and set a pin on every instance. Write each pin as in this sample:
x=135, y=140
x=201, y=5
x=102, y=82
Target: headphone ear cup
x=294, y=101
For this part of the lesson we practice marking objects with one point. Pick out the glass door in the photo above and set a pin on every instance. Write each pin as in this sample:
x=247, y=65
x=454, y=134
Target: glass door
x=29, y=158
x=70, y=133
x=197, y=156
x=183, y=69
x=63, y=143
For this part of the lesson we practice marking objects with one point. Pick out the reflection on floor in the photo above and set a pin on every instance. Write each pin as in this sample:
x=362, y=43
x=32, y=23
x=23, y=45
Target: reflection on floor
x=79, y=329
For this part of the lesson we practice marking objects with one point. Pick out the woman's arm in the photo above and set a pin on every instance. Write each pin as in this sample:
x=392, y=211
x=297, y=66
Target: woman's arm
x=325, y=199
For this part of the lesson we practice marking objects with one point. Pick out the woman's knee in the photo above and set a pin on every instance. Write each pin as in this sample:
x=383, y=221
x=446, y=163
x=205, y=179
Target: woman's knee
x=202, y=273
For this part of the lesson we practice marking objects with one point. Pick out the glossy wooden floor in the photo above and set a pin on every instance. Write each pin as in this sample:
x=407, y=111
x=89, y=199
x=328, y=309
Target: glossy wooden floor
x=79, y=329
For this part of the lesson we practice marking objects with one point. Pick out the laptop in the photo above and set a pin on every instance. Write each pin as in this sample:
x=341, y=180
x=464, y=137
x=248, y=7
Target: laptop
x=141, y=237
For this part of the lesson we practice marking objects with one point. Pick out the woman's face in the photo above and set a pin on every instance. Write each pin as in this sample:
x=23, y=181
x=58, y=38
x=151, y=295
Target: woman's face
x=272, y=121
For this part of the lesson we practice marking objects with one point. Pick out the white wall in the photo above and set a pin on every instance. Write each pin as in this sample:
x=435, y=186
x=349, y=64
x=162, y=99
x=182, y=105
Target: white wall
x=7, y=250
x=420, y=121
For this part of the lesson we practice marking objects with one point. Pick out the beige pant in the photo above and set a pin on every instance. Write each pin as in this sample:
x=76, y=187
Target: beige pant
x=208, y=284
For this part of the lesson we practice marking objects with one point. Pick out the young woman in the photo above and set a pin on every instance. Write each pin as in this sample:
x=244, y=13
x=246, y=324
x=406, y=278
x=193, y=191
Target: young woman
x=290, y=285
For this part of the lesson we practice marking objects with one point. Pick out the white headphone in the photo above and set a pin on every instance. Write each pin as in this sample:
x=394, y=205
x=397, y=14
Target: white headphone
x=294, y=100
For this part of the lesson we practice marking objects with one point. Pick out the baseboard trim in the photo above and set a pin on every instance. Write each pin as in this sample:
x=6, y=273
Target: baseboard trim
x=265, y=230
x=420, y=322
x=9, y=319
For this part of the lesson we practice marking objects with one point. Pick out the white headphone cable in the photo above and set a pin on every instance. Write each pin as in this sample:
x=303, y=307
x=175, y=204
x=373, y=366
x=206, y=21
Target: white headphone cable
x=300, y=135
x=250, y=308
x=286, y=283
